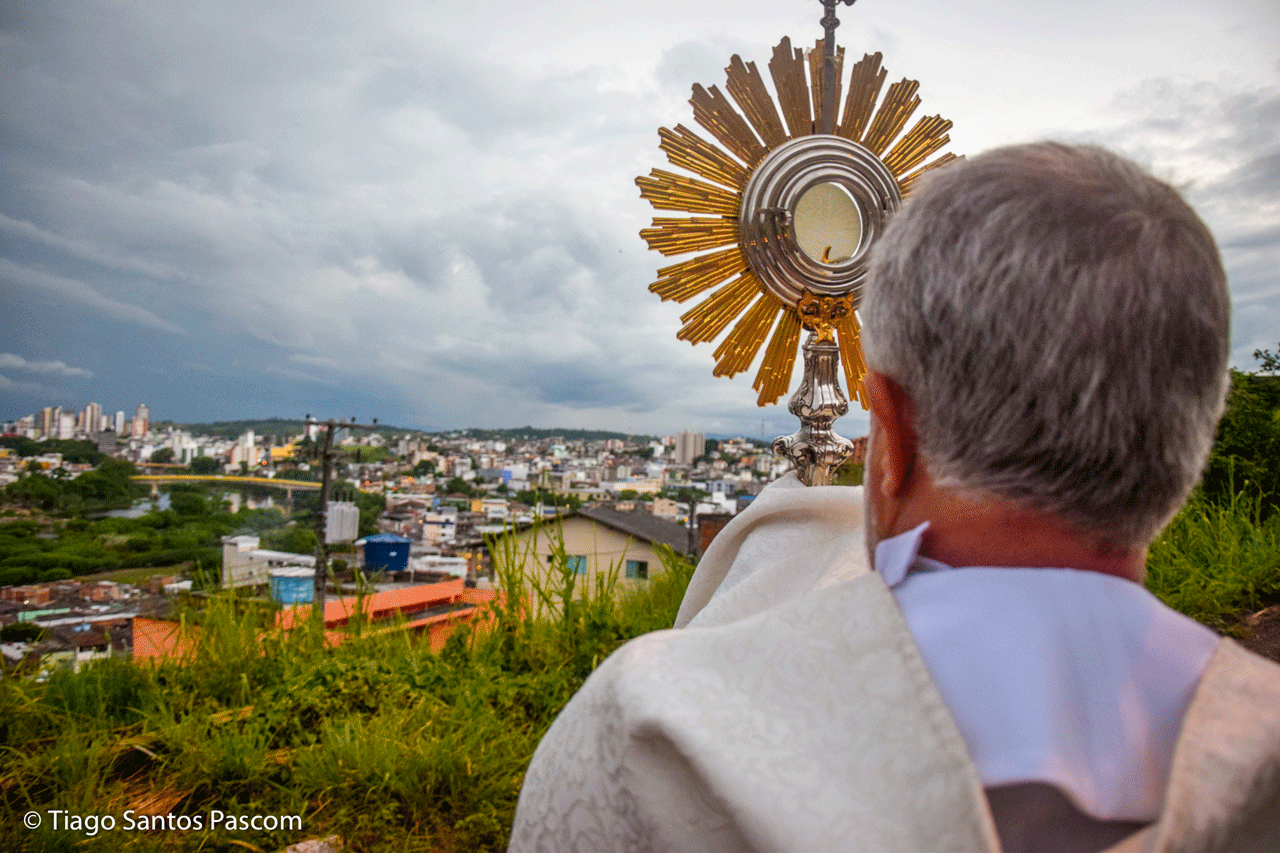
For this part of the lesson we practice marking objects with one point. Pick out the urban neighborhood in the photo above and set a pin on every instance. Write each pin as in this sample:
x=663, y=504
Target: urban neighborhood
x=408, y=521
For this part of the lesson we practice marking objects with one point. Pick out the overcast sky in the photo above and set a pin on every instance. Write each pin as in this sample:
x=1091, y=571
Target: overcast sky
x=425, y=212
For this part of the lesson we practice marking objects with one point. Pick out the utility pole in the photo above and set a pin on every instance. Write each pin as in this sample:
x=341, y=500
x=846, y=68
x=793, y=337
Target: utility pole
x=327, y=456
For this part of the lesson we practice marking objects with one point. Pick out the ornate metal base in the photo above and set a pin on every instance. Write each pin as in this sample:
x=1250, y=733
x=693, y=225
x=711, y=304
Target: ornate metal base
x=815, y=449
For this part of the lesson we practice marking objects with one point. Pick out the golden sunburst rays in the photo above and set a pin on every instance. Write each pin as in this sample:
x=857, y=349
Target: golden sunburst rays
x=746, y=124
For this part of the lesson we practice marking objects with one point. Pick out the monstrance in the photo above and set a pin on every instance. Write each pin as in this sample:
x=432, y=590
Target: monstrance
x=783, y=212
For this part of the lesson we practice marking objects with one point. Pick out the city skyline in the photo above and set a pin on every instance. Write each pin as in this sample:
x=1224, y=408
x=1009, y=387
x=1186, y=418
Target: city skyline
x=58, y=423
x=426, y=212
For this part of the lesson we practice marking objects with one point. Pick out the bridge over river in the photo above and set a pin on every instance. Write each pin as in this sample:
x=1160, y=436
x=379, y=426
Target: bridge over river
x=289, y=486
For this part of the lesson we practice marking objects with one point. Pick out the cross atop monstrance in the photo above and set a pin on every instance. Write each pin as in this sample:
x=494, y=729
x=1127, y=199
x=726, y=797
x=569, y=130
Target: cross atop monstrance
x=830, y=72
x=783, y=212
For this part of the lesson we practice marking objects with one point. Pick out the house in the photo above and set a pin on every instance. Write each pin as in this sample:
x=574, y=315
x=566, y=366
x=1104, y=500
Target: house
x=434, y=610
x=72, y=646
x=597, y=539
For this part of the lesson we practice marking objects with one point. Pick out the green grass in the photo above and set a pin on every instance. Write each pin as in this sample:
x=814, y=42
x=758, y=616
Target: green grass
x=393, y=747
x=1216, y=563
x=138, y=577
x=378, y=740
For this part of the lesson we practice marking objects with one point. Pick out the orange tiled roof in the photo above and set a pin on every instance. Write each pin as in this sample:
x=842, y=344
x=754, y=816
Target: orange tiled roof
x=379, y=604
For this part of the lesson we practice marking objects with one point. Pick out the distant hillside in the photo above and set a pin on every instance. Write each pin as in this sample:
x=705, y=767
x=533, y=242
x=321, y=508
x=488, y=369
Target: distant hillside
x=529, y=432
x=285, y=428
x=282, y=427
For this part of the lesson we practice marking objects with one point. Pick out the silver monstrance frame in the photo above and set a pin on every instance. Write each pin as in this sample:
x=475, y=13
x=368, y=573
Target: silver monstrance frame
x=784, y=215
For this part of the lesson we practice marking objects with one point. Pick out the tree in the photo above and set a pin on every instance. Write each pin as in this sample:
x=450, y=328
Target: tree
x=188, y=503
x=109, y=483
x=204, y=465
x=690, y=497
x=21, y=632
x=547, y=497
x=304, y=449
x=294, y=539
x=73, y=450
x=163, y=455
x=1270, y=360
x=1246, y=450
x=459, y=485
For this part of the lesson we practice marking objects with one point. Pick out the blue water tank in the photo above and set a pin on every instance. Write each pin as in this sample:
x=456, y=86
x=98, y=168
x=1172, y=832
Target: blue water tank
x=385, y=552
x=293, y=585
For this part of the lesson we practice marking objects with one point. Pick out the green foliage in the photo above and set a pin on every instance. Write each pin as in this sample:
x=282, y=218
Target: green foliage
x=188, y=532
x=685, y=494
x=163, y=455
x=107, y=486
x=1246, y=451
x=377, y=740
x=188, y=503
x=35, y=491
x=79, y=451
x=383, y=742
x=1270, y=361
x=549, y=497
x=21, y=632
x=459, y=486
x=848, y=474
x=234, y=429
x=18, y=575
x=1216, y=561
x=27, y=558
x=204, y=465
x=295, y=539
x=363, y=453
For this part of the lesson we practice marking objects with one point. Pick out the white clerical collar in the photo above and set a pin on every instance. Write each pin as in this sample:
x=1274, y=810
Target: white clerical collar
x=1071, y=678
x=896, y=556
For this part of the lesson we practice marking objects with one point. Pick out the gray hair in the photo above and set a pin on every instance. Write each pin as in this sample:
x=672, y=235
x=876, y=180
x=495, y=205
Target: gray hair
x=1059, y=319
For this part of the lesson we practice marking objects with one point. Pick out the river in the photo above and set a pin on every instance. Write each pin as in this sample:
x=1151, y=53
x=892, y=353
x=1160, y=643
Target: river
x=236, y=498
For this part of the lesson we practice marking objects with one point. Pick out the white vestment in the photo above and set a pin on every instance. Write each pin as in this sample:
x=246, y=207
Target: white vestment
x=794, y=710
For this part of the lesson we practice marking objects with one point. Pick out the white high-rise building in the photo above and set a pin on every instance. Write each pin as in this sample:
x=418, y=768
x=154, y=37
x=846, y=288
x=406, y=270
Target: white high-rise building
x=92, y=419
x=141, y=421
x=119, y=423
x=689, y=446
x=47, y=421
x=245, y=450
x=184, y=447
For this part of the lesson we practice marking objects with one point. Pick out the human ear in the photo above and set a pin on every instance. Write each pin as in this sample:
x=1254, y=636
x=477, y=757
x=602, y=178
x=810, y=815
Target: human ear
x=895, y=416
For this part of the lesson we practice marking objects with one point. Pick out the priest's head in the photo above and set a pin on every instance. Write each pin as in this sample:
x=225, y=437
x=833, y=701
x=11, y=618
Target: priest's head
x=1046, y=328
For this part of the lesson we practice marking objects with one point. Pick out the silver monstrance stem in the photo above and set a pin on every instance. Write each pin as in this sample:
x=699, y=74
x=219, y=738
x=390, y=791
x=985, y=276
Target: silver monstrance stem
x=815, y=449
